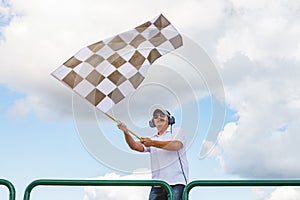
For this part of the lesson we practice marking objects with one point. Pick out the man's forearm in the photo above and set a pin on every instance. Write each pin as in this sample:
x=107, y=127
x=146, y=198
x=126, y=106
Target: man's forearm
x=167, y=145
x=132, y=143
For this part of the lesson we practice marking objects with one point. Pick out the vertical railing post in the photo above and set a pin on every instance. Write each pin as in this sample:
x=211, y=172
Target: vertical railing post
x=11, y=188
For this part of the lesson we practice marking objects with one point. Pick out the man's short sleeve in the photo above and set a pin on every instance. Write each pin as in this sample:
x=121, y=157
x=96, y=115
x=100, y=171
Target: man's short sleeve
x=146, y=149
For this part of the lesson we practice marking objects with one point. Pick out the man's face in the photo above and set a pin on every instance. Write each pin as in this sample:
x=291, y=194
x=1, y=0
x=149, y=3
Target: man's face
x=160, y=120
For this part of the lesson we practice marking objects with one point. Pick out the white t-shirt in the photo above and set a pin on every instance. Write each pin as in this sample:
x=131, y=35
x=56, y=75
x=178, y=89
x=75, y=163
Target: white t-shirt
x=169, y=166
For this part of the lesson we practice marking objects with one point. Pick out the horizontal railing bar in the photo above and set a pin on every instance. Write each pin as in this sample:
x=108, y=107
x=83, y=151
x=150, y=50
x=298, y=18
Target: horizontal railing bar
x=237, y=183
x=58, y=182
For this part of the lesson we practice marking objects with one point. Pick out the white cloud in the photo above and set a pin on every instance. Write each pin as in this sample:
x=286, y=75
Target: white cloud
x=259, y=71
x=23, y=106
x=5, y=12
x=288, y=193
x=279, y=193
x=261, y=30
x=264, y=141
x=38, y=40
x=122, y=192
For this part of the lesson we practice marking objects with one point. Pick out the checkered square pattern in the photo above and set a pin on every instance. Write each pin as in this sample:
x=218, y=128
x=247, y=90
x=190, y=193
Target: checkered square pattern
x=106, y=72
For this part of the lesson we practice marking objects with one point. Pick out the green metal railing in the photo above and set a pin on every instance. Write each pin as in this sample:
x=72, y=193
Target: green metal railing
x=11, y=188
x=191, y=185
x=238, y=183
x=47, y=182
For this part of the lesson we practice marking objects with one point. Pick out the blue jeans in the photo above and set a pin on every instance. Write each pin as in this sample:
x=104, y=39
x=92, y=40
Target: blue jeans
x=159, y=193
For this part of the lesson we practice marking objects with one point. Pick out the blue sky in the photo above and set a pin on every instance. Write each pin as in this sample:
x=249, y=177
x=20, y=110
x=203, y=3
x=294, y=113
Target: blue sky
x=255, y=50
x=32, y=148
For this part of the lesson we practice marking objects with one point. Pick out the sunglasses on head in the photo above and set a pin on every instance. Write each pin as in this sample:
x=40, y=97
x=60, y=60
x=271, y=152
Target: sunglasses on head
x=160, y=115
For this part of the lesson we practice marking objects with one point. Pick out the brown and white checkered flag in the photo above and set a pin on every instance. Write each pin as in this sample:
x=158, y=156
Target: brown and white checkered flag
x=106, y=72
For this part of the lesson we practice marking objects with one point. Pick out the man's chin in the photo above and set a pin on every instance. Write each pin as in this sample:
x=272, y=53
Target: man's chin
x=160, y=126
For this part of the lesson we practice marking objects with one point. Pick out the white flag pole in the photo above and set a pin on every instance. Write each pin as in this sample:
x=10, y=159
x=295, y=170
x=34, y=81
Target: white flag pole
x=114, y=119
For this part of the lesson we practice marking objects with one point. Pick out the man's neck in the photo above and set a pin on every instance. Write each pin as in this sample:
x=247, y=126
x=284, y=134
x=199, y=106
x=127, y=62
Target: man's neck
x=163, y=129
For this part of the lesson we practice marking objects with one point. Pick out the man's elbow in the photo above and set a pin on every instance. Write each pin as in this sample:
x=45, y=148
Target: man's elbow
x=173, y=146
x=178, y=146
x=137, y=148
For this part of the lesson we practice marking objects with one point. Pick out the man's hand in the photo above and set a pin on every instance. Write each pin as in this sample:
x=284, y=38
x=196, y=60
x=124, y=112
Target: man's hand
x=122, y=126
x=147, y=142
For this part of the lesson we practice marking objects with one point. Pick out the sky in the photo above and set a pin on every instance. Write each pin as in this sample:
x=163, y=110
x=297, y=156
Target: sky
x=240, y=54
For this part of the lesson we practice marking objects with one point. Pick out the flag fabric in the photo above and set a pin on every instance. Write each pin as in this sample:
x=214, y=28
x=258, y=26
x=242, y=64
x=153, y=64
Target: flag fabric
x=106, y=72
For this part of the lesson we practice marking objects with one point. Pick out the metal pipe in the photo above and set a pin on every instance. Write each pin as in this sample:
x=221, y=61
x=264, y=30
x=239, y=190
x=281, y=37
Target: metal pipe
x=11, y=188
x=237, y=183
x=57, y=182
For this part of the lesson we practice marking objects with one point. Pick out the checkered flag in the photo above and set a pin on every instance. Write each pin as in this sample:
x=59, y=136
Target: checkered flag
x=106, y=72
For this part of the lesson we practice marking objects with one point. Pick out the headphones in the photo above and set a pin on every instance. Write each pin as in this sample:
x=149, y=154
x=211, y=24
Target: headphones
x=171, y=120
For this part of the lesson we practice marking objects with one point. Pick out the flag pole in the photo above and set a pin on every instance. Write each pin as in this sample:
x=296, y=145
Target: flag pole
x=114, y=119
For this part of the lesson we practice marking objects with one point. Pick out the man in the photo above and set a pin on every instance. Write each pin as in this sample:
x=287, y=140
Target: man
x=167, y=153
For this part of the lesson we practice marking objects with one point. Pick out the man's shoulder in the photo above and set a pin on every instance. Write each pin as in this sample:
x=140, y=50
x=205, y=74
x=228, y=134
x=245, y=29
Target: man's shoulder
x=177, y=130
